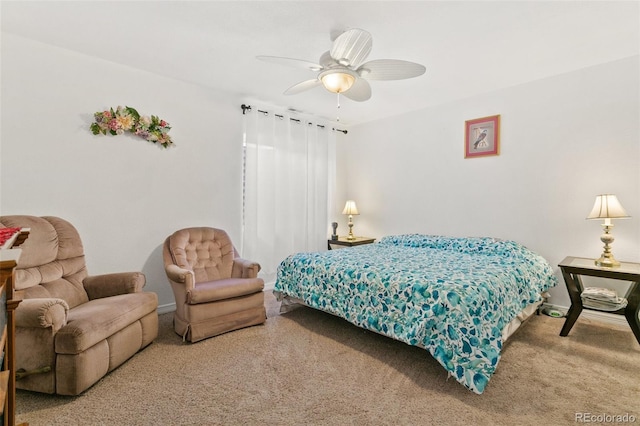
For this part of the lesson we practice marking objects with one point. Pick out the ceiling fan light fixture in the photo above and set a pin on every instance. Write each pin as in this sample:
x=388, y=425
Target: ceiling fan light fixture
x=337, y=81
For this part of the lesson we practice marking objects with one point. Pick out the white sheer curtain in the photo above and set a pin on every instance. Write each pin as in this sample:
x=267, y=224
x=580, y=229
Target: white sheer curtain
x=289, y=180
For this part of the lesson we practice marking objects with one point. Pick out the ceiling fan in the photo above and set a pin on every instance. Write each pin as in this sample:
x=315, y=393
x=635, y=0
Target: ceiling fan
x=341, y=70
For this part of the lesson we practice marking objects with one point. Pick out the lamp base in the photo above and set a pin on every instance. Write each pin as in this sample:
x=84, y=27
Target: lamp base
x=606, y=259
x=607, y=262
x=350, y=237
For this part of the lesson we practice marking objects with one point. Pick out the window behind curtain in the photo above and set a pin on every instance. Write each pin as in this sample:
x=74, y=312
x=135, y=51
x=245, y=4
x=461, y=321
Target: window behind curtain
x=289, y=180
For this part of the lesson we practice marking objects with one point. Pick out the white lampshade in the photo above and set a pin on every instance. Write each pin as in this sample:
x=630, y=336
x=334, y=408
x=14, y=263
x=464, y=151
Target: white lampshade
x=337, y=81
x=607, y=206
x=350, y=208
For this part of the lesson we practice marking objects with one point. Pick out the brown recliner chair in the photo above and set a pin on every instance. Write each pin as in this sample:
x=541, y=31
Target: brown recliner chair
x=72, y=328
x=215, y=290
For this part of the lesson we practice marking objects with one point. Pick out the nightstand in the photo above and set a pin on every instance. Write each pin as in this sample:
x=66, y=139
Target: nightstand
x=343, y=241
x=575, y=267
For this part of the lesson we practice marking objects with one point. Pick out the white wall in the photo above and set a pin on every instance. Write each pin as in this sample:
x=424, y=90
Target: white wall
x=123, y=194
x=564, y=140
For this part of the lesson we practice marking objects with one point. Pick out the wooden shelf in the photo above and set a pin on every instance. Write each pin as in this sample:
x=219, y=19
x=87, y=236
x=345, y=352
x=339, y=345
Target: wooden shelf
x=9, y=257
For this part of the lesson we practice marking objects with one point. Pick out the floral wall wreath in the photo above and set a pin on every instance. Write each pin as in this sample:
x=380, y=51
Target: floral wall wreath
x=127, y=119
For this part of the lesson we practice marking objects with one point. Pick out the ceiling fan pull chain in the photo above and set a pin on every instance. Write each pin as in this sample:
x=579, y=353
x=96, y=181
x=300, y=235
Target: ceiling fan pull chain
x=338, y=115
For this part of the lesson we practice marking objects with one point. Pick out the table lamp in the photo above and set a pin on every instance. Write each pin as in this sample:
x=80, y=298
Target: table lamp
x=350, y=209
x=607, y=207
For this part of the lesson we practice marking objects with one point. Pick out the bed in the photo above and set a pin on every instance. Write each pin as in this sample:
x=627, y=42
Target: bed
x=458, y=298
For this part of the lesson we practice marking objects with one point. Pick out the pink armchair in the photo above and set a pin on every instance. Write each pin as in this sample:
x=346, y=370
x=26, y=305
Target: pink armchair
x=215, y=290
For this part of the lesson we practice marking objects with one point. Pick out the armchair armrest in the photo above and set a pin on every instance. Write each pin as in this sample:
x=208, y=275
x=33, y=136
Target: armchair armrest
x=99, y=286
x=181, y=276
x=243, y=268
x=42, y=313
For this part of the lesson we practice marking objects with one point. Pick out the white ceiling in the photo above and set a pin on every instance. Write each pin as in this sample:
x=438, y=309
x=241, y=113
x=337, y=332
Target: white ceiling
x=468, y=47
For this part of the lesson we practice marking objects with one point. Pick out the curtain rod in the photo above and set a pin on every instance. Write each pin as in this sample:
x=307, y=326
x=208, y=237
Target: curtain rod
x=246, y=108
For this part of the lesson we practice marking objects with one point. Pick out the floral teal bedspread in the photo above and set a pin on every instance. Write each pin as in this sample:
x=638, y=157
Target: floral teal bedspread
x=451, y=296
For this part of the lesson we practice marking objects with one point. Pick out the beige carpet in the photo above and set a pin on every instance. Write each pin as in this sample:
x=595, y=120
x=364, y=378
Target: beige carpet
x=308, y=367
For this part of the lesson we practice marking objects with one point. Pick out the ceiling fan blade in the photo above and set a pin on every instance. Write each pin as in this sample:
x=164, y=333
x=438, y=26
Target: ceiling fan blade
x=390, y=69
x=360, y=91
x=296, y=63
x=302, y=86
x=352, y=47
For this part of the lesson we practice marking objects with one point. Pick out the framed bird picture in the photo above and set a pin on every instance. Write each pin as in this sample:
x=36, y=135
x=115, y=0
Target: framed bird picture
x=482, y=137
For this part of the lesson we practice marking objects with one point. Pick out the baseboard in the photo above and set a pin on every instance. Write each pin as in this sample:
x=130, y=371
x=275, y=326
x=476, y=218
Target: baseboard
x=169, y=307
x=594, y=315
